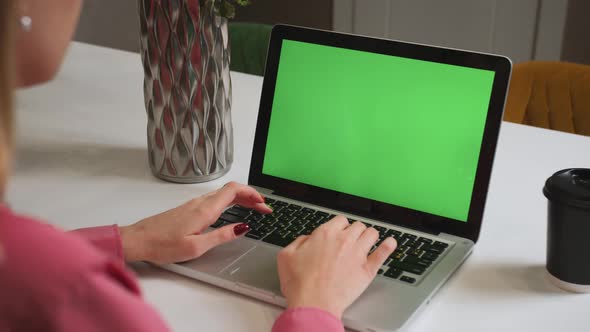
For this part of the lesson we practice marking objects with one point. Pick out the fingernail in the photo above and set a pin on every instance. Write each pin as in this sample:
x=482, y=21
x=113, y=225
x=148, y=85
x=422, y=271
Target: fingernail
x=270, y=207
x=391, y=242
x=240, y=229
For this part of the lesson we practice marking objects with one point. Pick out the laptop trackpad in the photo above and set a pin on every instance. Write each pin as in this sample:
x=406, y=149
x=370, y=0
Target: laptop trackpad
x=257, y=269
x=219, y=257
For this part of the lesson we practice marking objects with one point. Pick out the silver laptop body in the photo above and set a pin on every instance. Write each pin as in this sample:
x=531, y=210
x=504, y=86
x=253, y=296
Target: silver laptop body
x=248, y=266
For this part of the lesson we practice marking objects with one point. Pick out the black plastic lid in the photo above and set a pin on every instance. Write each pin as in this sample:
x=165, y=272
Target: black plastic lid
x=569, y=186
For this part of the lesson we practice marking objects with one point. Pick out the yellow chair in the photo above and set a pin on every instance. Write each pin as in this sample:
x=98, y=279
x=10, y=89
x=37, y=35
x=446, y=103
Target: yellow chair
x=553, y=95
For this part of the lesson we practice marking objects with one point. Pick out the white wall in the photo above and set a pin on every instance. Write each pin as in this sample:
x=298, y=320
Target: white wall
x=520, y=29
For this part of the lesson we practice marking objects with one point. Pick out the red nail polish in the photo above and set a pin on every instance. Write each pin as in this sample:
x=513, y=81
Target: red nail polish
x=240, y=229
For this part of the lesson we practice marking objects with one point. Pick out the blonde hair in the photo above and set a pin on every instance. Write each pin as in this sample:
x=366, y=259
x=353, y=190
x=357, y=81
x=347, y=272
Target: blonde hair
x=7, y=25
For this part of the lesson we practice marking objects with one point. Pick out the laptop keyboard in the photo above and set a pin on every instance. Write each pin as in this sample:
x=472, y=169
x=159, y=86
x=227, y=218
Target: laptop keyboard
x=413, y=256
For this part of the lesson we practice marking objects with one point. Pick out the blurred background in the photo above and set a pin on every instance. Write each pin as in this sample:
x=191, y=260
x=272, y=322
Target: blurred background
x=521, y=29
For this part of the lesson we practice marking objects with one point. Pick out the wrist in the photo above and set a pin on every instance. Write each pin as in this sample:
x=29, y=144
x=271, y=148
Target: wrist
x=131, y=243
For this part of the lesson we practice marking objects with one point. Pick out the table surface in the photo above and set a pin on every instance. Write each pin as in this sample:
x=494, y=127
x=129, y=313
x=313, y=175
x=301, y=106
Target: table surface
x=82, y=161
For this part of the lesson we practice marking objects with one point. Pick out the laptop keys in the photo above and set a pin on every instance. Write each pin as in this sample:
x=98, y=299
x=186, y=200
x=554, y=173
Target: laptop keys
x=315, y=219
x=415, y=269
x=433, y=249
x=408, y=279
x=288, y=221
x=413, y=244
x=254, y=216
x=440, y=244
x=230, y=218
x=277, y=210
x=429, y=256
x=296, y=229
x=308, y=230
x=418, y=261
x=415, y=252
x=397, y=255
x=284, y=221
x=266, y=229
x=300, y=214
x=402, y=249
x=394, y=233
x=280, y=237
x=236, y=211
x=253, y=234
x=380, y=229
x=288, y=211
x=219, y=223
x=393, y=273
x=307, y=210
x=425, y=240
x=260, y=232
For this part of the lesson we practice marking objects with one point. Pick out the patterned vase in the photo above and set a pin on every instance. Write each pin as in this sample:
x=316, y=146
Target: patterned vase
x=187, y=88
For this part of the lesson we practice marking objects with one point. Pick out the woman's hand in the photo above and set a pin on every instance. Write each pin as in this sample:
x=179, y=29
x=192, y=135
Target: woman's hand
x=330, y=269
x=175, y=235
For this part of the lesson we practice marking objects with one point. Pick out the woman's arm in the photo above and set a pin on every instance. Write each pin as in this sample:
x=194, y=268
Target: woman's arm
x=108, y=240
x=178, y=234
x=106, y=301
x=105, y=238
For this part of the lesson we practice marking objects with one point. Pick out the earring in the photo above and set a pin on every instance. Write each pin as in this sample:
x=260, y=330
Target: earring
x=26, y=23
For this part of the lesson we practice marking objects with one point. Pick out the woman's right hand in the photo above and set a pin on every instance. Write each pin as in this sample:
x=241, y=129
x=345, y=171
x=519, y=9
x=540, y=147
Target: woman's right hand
x=331, y=268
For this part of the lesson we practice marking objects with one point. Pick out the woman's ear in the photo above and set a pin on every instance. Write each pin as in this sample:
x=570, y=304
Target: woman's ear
x=44, y=31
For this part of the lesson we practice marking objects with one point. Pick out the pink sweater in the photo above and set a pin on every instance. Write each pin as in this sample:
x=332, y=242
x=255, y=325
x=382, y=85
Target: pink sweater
x=77, y=281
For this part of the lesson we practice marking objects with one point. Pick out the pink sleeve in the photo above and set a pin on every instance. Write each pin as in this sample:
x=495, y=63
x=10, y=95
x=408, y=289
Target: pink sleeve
x=105, y=238
x=53, y=281
x=106, y=302
x=308, y=320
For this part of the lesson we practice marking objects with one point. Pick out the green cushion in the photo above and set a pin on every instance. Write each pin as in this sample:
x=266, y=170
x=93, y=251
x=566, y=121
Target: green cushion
x=249, y=43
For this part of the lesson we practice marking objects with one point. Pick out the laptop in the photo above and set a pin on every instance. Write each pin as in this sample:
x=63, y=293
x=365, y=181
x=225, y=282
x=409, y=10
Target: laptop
x=400, y=136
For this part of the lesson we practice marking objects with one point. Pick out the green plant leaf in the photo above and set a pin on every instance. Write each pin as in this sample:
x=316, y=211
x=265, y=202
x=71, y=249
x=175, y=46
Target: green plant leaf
x=243, y=3
x=225, y=8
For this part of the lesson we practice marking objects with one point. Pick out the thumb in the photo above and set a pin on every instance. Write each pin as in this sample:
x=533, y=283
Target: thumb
x=207, y=241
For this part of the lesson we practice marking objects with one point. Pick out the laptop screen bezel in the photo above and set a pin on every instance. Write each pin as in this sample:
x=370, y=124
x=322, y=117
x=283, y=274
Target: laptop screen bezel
x=368, y=208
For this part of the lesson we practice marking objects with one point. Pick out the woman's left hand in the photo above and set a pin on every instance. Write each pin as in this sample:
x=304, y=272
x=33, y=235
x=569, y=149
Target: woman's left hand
x=175, y=235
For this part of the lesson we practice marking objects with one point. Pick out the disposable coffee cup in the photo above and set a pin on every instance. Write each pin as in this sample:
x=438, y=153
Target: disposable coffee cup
x=568, y=229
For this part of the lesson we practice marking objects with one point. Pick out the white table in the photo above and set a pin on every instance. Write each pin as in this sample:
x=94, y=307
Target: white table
x=82, y=162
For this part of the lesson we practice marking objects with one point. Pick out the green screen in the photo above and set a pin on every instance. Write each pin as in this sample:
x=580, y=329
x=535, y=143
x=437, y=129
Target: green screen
x=396, y=130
